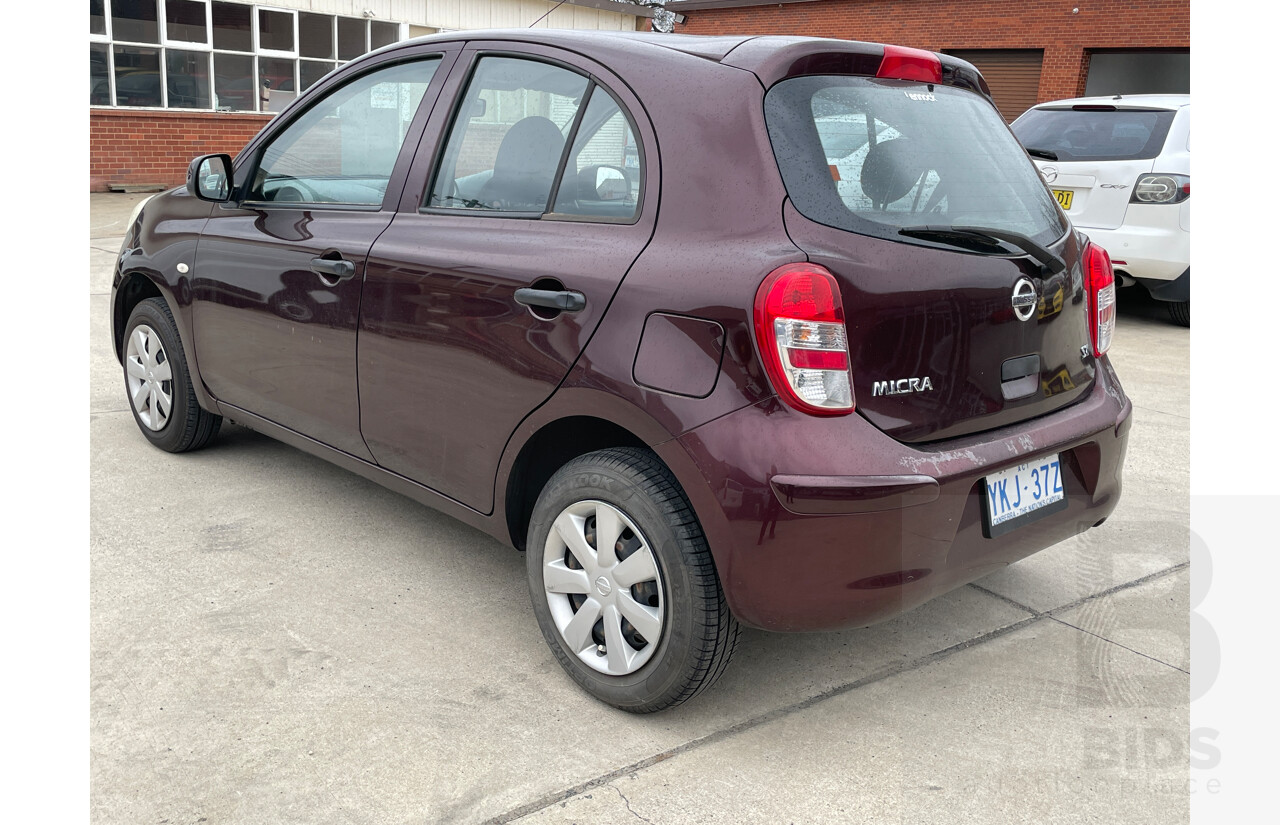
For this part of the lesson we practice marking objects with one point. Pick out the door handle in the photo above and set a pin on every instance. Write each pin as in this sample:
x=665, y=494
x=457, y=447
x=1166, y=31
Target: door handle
x=338, y=268
x=563, y=300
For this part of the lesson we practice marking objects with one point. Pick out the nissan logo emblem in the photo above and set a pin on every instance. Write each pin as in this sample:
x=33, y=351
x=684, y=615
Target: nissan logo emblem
x=1024, y=299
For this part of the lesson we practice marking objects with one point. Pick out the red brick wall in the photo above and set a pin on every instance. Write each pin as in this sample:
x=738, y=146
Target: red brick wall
x=131, y=146
x=939, y=25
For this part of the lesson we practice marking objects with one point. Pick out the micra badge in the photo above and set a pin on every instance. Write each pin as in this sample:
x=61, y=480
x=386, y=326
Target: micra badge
x=902, y=386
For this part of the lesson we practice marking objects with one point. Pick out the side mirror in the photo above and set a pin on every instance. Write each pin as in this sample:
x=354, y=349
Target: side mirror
x=611, y=184
x=209, y=178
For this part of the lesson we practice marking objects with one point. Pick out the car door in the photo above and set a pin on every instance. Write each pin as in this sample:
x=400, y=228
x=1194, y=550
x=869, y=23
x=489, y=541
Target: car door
x=279, y=272
x=454, y=351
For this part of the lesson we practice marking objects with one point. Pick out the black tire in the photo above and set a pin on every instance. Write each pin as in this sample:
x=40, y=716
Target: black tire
x=698, y=633
x=187, y=426
x=1180, y=312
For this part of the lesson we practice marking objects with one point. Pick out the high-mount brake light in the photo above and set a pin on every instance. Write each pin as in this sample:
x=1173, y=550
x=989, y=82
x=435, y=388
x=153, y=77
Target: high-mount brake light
x=1100, y=283
x=902, y=63
x=800, y=332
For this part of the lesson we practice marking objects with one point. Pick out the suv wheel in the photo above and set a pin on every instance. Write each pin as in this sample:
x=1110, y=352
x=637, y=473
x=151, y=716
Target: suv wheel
x=623, y=584
x=1180, y=312
x=158, y=385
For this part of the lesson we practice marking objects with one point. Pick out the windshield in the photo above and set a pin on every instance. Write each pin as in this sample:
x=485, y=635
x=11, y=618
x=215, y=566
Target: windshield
x=871, y=155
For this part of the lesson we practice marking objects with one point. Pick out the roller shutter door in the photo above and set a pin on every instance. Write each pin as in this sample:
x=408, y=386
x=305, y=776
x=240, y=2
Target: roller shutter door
x=1012, y=74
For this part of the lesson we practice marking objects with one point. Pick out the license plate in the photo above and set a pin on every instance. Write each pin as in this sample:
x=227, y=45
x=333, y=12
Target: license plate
x=1023, y=494
x=1064, y=197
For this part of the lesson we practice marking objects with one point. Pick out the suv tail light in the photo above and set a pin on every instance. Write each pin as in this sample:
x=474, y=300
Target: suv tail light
x=800, y=332
x=1161, y=188
x=1100, y=282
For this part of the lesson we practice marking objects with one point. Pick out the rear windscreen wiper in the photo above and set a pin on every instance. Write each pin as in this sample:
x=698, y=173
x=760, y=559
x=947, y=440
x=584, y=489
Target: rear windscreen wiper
x=1042, y=153
x=993, y=238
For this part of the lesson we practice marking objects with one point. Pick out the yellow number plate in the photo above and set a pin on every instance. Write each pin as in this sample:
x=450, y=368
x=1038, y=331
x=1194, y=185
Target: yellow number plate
x=1064, y=197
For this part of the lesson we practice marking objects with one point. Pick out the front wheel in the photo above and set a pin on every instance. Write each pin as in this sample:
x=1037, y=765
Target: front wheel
x=158, y=384
x=623, y=584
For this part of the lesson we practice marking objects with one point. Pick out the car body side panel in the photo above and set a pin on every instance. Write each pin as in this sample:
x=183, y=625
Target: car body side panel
x=277, y=340
x=449, y=362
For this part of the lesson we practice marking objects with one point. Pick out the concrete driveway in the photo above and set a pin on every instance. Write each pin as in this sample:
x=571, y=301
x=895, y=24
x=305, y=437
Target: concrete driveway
x=274, y=640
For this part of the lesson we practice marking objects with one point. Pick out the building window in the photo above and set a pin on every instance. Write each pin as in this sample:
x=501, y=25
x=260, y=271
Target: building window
x=134, y=20
x=187, y=21
x=216, y=54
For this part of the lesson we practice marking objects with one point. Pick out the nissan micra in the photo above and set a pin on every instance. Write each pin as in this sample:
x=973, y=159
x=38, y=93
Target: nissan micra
x=775, y=332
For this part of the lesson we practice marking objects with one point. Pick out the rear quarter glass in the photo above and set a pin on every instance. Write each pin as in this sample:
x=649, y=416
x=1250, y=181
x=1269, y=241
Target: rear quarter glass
x=1091, y=134
x=872, y=155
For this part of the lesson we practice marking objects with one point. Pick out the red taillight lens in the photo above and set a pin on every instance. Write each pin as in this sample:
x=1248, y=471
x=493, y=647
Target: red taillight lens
x=801, y=336
x=1100, y=282
x=910, y=64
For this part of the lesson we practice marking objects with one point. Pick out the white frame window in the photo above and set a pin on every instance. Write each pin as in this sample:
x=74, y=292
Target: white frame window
x=258, y=48
x=188, y=45
x=246, y=100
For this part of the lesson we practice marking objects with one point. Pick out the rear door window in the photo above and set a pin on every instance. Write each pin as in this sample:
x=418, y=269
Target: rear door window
x=602, y=176
x=872, y=155
x=508, y=137
x=538, y=140
x=1091, y=134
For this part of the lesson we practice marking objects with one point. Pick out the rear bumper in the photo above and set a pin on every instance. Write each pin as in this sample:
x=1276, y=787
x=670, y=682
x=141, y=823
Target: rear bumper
x=1152, y=243
x=827, y=523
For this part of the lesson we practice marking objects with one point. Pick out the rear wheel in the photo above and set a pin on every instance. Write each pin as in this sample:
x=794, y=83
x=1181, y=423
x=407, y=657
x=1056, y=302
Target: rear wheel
x=623, y=584
x=1180, y=312
x=158, y=384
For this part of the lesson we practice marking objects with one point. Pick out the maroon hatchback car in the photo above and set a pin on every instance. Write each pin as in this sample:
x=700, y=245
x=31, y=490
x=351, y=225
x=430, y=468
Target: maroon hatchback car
x=766, y=331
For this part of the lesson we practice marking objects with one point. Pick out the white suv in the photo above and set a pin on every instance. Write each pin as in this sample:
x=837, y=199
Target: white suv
x=1121, y=168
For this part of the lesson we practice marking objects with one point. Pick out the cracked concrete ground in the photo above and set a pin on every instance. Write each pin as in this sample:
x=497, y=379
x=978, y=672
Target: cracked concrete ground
x=276, y=640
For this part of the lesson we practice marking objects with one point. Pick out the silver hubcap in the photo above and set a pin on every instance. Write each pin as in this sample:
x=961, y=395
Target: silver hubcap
x=149, y=377
x=603, y=587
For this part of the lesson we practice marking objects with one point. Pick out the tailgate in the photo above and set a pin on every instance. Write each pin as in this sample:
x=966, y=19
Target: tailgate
x=935, y=345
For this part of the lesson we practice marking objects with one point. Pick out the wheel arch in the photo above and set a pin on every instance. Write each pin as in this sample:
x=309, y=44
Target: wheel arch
x=134, y=288
x=138, y=285
x=547, y=449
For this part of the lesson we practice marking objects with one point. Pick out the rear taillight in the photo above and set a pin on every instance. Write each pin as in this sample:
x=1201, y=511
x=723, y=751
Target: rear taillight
x=910, y=64
x=800, y=332
x=1100, y=281
x=1161, y=188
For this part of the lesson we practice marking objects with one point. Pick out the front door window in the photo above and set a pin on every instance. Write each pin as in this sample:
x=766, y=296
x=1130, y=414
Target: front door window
x=342, y=150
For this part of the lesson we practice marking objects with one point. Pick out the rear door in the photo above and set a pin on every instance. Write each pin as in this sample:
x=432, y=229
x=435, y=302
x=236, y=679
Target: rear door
x=452, y=355
x=1100, y=149
x=278, y=275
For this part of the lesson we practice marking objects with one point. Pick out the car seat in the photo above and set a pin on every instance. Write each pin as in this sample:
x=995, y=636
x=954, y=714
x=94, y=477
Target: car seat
x=525, y=166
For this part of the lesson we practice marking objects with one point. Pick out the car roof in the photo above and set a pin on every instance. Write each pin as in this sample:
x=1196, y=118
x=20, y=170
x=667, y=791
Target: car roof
x=770, y=57
x=713, y=48
x=1166, y=101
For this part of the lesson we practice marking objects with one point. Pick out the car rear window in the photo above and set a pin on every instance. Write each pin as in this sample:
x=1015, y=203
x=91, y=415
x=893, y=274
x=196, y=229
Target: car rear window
x=872, y=156
x=1091, y=134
